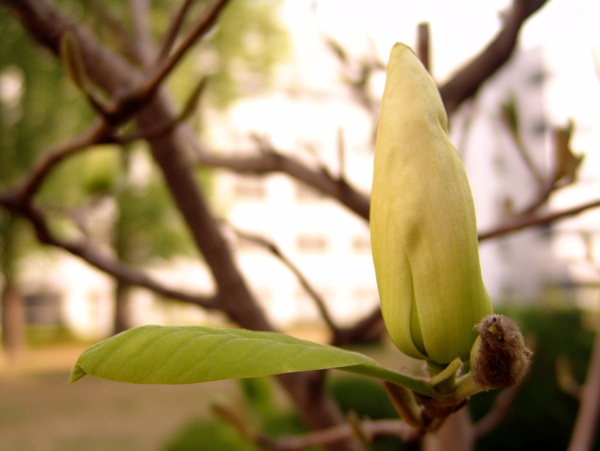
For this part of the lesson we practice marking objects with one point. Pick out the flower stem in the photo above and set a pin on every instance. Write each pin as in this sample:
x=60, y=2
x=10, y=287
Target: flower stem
x=413, y=383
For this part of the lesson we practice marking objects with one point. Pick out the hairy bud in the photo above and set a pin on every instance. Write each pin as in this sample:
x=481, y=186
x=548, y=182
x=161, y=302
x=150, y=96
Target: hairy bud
x=499, y=358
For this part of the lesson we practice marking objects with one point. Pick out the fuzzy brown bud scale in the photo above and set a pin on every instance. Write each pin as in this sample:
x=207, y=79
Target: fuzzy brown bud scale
x=499, y=358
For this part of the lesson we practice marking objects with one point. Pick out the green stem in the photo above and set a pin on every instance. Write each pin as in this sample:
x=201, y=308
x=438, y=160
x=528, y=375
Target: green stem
x=374, y=370
x=444, y=375
x=466, y=387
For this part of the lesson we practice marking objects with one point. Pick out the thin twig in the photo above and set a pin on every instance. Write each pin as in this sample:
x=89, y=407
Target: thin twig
x=586, y=423
x=527, y=221
x=510, y=122
x=341, y=152
x=171, y=34
x=369, y=328
x=100, y=259
x=498, y=412
x=141, y=26
x=465, y=83
x=306, y=285
x=204, y=23
x=97, y=133
x=365, y=430
x=271, y=161
x=565, y=379
x=369, y=428
x=423, y=45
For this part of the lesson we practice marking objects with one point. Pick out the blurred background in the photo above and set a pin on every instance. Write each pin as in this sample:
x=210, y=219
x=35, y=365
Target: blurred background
x=304, y=80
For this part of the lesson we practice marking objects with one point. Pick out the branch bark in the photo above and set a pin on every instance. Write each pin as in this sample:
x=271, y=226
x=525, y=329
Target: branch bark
x=465, y=83
x=534, y=220
x=271, y=161
x=586, y=424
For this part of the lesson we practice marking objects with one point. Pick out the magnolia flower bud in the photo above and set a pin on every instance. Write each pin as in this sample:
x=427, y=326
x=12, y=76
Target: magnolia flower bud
x=423, y=228
x=499, y=358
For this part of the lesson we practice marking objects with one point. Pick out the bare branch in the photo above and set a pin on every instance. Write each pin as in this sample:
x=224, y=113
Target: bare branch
x=366, y=430
x=497, y=413
x=423, y=46
x=369, y=428
x=533, y=220
x=96, y=134
x=368, y=328
x=170, y=35
x=511, y=121
x=100, y=260
x=467, y=81
x=586, y=423
x=565, y=378
x=204, y=23
x=312, y=292
x=187, y=110
x=105, y=18
x=272, y=161
x=141, y=26
x=341, y=153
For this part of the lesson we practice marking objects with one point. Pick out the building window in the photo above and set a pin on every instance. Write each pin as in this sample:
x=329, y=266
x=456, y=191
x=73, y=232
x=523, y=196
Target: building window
x=365, y=294
x=305, y=193
x=311, y=243
x=361, y=244
x=249, y=189
x=42, y=309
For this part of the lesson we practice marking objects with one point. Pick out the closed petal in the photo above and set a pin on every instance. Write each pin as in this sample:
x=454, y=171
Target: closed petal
x=423, y=227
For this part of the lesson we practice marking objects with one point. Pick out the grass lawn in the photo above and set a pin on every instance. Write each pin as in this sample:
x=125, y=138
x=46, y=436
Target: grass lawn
x=39, y=411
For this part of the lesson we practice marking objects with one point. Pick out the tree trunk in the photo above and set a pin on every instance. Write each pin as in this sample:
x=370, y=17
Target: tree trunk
x=13, y=320
x=456, y=434
x=121, y=320
x=306, y=389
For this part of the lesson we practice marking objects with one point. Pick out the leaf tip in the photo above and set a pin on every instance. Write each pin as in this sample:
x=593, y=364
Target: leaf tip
x=76, y=373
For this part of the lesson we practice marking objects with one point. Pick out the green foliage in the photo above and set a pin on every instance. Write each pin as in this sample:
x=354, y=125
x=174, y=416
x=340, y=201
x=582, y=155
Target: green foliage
x=247, y=44
x=365, y=396
x=259, y=395
x=186, y=355
x=208, y=435
x=148, y=226
x=45, y=107
x=368, y=399
x=269, y=416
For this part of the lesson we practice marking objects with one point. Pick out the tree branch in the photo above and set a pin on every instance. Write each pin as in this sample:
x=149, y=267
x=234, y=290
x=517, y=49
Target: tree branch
x=143, y=38
x=586, y=423
x=271, y=161
x=96, y=134
x=534, y=220
x=204, y=23
x=310, y=290
x=498, y=412
x=171, y=34
x=100, y=260
x=365, y=430
x=369, y=428
x=467, y=81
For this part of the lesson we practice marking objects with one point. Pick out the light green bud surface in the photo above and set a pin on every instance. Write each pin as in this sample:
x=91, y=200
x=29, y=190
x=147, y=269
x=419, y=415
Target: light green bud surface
x=423, y=227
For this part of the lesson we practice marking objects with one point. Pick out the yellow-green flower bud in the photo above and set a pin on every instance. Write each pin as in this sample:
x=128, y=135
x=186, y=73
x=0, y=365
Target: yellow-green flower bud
x=423, y=228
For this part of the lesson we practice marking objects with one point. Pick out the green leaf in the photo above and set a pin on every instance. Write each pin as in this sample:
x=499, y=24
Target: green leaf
x=191, y=354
